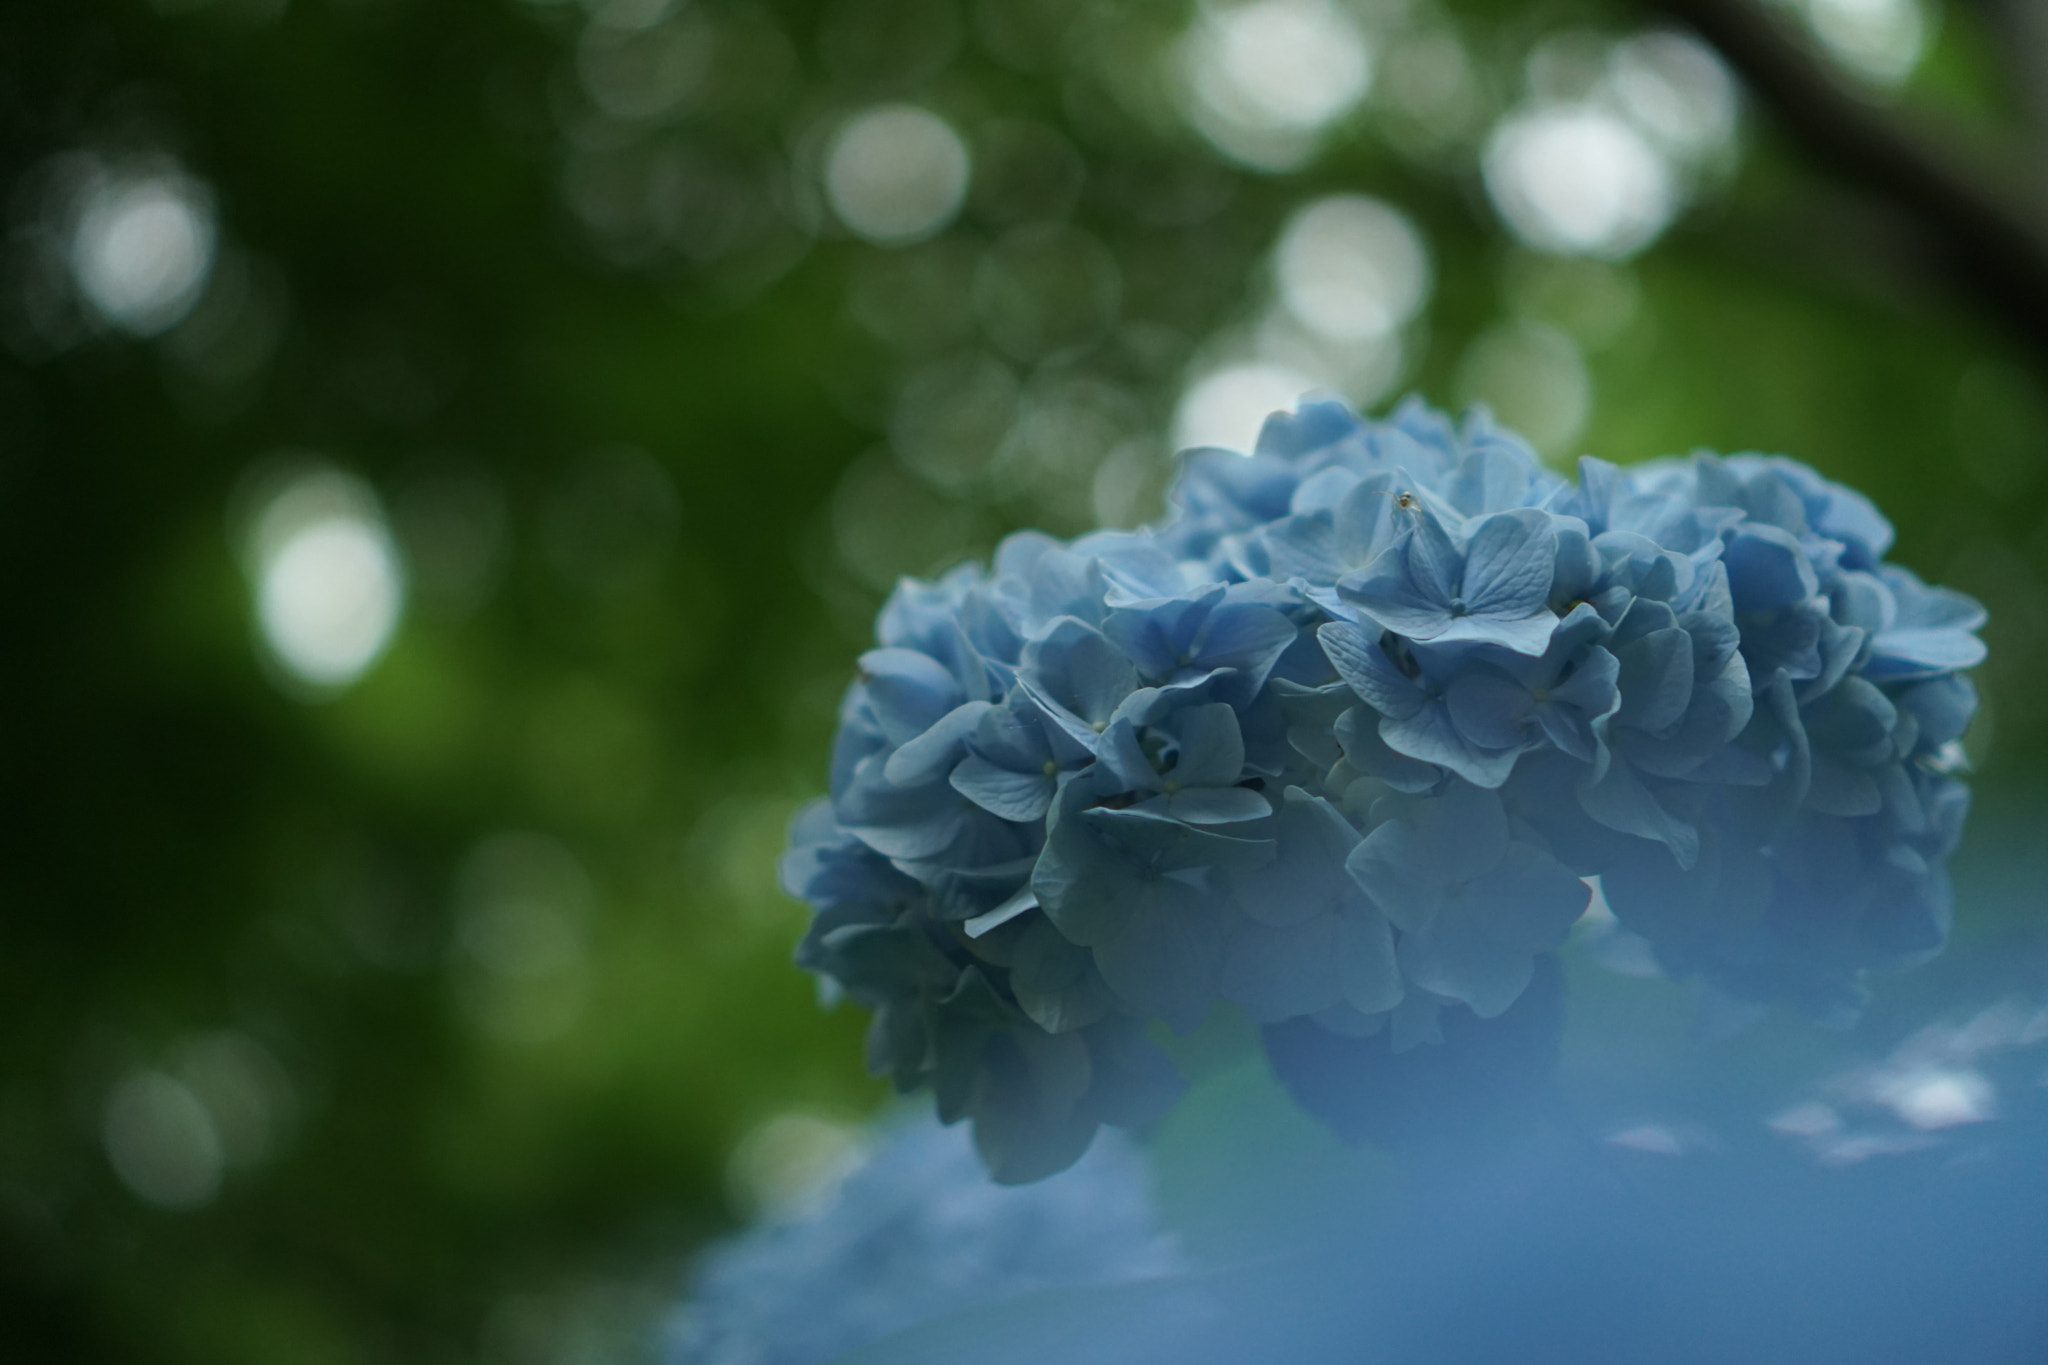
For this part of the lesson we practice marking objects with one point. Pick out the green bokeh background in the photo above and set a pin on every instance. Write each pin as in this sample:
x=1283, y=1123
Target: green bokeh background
x=647, y=678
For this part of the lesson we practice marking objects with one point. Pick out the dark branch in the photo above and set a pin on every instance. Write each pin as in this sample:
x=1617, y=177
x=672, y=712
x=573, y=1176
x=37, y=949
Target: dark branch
x=1993, y=237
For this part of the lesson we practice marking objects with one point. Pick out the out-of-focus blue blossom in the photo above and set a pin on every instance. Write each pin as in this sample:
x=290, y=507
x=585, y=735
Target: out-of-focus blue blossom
x=1339, y=738
x=917, y=1232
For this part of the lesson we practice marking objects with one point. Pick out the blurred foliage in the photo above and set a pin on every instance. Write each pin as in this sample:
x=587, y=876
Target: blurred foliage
x=563, y=288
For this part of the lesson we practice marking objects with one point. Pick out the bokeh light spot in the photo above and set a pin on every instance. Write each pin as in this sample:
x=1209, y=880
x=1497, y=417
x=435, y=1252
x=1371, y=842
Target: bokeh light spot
x=1940, y=1098
x=247, y=1093
x=523, y=909
x=1578, y=182
x=162, y=1141
x=630, y=74
x=791, y=1162
x=896, y=174
x=1352, y=268
x=1227, y=407
x=885, y=524
x=951, y=417
x=141, y=248
x=1045, y=289
x=1879, y=40
x=1677, y=89
x=329, y=585
x=1263, y=78
x=1535, y=381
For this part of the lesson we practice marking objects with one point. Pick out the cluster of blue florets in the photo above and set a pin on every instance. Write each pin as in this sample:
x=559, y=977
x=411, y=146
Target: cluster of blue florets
x=917, y=1233
x=1343, y=738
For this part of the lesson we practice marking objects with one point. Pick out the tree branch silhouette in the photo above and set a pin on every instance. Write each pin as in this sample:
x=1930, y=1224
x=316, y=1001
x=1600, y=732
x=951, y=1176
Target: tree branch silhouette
x=1981, y=208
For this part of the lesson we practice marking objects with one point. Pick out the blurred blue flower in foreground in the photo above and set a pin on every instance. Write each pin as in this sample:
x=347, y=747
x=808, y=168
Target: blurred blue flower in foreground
x=1341, y=741
x=917, y=1233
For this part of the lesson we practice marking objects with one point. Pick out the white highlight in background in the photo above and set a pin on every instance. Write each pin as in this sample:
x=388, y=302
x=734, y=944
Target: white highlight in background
x=141, y=248
x=791, y=1164
x=162, y=1142
x=1880, y=40
x=1534, y=380
x=1227, y=407
x=1352, y=268
x=1939, y=1098
x=1265, y=77
x=329, y=584
x=1578, y=181
x=896, y=174
x=1676, y=89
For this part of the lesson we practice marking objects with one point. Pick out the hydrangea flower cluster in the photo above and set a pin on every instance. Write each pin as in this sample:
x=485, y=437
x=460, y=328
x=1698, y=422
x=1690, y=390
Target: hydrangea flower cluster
x=915, y=1233
x=1343, y=738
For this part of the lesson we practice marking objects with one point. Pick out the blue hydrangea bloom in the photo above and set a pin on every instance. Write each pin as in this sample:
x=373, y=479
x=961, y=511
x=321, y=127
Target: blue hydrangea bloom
x=1345, y=737
x=917, y=1232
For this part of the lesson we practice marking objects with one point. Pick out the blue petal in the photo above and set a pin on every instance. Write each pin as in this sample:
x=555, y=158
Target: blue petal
x=1854, y=722
x=1157, y=634
x=1594, y=685
x=1491, y=478
x=1055, y=982
x=1307, y=876
x=1004, y=792
x=901, y=822
x=1078, y=677
x=932, y=754
x=1619, y=800
x=1944, y=707
x=1430, y=736
x=1384, y=591
x=1014, y=735
x=1508, y=565
x=1932, y=633
x=1656, y=678
x=1489, y=708
x=1316, y=424
x=1767, y=569
x=1122, y=754
x=1305, y=546
x=1434, y=566
x=1247, y=636
x=1179, y=849
x=1084, y=887
x=1024, y=901
x=1522, y=634
x=909, y=691
x=1218, y=805
x=1168, y=961
x=1481, y=948
x=1211, y=747
x=1393, y=866
x=1361, y=663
